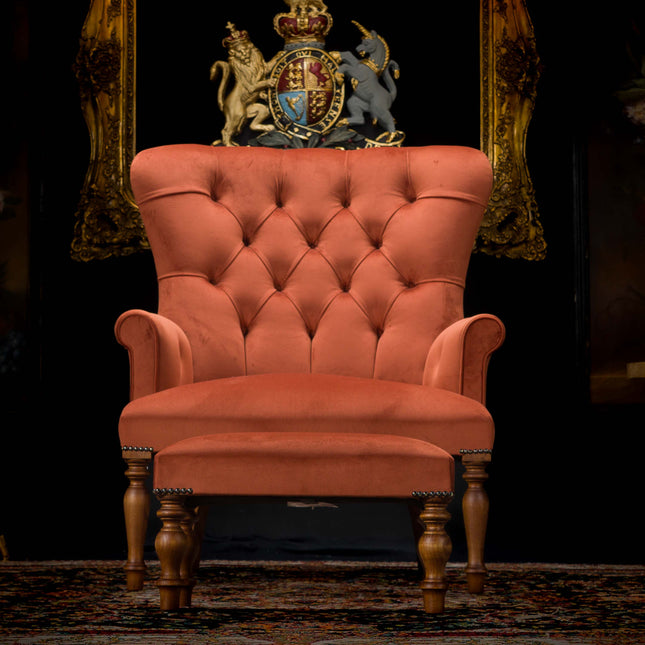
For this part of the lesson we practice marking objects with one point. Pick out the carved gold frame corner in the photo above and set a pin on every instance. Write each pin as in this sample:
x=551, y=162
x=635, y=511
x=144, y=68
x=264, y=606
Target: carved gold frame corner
x=107, y=219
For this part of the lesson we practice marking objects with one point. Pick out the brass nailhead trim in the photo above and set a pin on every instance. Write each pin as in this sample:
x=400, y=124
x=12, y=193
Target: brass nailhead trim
x=137, y=449
x=161, y=492
x=432, y=493
x=477, y=451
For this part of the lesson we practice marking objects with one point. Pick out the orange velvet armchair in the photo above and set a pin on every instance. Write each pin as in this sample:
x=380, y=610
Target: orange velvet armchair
x=309, y=291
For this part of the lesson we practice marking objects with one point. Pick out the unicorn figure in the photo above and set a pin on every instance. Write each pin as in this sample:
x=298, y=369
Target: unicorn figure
x=369, y=95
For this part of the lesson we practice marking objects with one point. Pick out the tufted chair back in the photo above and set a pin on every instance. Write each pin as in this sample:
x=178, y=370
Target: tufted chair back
x=311, y=260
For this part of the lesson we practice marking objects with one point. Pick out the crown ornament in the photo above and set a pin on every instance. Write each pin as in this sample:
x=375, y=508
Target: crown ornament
x=306, y=23
x=235, y=37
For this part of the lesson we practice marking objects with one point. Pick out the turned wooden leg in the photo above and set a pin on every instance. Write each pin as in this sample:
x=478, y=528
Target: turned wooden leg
x=136, y=507
x=173, y=545
x=434, y=550
x=475, y=512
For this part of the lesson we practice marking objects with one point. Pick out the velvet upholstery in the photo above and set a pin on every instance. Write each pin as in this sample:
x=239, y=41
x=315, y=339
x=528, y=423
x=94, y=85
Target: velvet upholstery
x=304, y=464
x=307, y=297
x=307, y=403
x=319, y=261
x=305, y=265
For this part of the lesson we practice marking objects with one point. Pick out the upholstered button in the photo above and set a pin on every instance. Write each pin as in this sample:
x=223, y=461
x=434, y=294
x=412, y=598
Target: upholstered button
x=277, y=286
x=345, y=286
x=378, y=244
x=311, y=332
x=379, y=332
x=245, y=240
x=312, y=244
x=409, y=284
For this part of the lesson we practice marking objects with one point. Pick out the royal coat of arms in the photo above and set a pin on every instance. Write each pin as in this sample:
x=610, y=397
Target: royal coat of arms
x=298, y=97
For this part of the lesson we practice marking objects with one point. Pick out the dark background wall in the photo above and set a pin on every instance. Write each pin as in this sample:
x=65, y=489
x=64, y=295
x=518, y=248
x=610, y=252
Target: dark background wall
x=564, y=483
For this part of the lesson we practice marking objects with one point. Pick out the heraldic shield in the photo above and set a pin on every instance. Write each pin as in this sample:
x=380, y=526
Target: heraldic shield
x=297, y=98
x=306, y=96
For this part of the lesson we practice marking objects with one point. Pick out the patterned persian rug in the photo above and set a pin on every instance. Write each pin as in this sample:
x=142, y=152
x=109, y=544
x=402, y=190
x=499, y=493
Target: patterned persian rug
x=320, y=603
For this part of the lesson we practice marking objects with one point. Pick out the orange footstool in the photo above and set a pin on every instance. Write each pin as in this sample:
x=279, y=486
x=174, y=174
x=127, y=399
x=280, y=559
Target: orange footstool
x=301, y=465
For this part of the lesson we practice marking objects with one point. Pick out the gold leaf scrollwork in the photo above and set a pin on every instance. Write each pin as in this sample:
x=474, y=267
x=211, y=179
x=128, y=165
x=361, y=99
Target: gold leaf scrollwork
x=510, y=69
x=107, y=218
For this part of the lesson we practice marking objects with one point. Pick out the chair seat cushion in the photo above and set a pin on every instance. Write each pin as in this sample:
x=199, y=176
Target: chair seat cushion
x=304, y=464
x=306, y=403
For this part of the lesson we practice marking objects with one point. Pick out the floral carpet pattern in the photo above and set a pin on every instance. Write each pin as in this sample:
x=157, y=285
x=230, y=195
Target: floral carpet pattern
x=322, y=603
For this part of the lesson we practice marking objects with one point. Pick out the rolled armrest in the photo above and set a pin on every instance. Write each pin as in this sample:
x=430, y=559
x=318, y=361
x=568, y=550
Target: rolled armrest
x=458, y=358
x=159, y=352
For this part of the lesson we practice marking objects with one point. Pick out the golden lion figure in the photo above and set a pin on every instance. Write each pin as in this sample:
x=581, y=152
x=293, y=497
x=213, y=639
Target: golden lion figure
x=242, y=103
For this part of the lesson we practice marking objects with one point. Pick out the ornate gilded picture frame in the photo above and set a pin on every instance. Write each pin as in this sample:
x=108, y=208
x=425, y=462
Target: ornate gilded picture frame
x=510, y=69
x=107, y=220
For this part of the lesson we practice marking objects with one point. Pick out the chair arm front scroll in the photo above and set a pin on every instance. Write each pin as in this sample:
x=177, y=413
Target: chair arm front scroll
x=159, y=351
x=458, y=358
